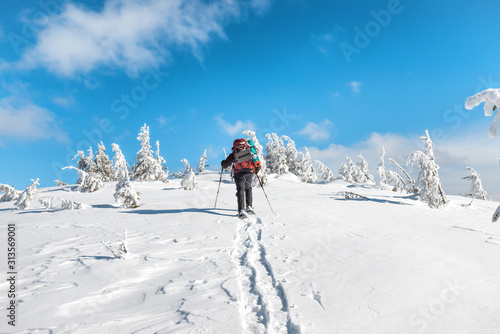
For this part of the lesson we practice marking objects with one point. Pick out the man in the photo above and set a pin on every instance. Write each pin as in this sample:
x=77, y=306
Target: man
x=246, y=164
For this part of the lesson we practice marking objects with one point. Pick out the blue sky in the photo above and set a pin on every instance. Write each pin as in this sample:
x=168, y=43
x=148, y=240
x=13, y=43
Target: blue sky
x=75, y=73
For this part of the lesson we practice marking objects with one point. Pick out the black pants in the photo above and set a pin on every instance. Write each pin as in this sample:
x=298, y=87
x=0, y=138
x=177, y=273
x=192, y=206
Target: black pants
x=243, y=189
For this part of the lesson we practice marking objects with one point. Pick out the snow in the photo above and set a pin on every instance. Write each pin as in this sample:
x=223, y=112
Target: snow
x=323, y=264
x=491, y=99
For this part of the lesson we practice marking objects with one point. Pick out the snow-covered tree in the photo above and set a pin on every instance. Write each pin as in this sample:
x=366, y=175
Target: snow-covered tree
x=275, y=155
x=491, y=99
x=381, y=168
x=343, y=172
x=324, y=173
x=119, y=163
x=160, y=170
x=291, y=155
x=352, y=172
x=189, y=180
x=366, y=176
x=60, y=183
x=10, y=193
x=89, y=181
x=147, y=167
x=85, y=163
x=476, y=190
x=103, y=165
x=428, y=180
x=394, y=178
x=410, y=184
x=27, y=196
x=202, y=163
x=126, y=194
x=309, y=174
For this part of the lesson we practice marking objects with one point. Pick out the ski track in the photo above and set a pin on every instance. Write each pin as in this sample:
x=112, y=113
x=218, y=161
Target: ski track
x=263, y=302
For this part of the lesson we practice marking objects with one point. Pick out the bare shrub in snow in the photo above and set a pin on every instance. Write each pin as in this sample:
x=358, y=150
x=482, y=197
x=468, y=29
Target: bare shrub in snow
x=27, y=196
x=428, y=180
x=121, y=250
x=10, y=193
x=189, y=180
x=476, y=190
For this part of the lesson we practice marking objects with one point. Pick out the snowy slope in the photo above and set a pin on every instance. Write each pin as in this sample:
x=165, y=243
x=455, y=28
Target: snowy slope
x=324, y=264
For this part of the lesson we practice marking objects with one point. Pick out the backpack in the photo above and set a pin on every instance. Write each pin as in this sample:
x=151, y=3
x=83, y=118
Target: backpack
x=243, y=156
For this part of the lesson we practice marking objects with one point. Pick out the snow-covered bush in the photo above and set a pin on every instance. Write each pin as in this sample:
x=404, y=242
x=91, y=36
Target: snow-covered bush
x=126, y=194
x=202, y=163
x=428, y=180
x=324, y=173
x=103, y=165
x=60, y=183
x=85, y=163
x=189, y=180
x=147, y=167
x=48, y=203
x=27, y=196
x=291, y=155
x=309, y=174
x=381, y=168
x=365, y=175
x=343, y=172
x=89, y=181
x=476, y=190
x=491, y=99
x=10, y=193
x=410, y=184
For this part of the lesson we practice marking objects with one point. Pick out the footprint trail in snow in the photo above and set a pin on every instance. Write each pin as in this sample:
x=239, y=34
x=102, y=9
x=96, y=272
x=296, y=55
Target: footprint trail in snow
x=263, y=303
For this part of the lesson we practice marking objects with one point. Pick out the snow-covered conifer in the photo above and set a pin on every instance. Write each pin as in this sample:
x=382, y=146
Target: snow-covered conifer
x=352, y=172
x=27, y=196
x=10, y=193
x=103, y=165
x=146, y=167
x=189, y=180
x=202, y=163
x=428, y=179
x=381, y=168
x=119, y=163
x=343, y=172
x=160, y=170
x=126, y=194
x=411, y=184
x=89, y=181
x=491, y=99
x=275, y=155
x=291, y=155
x=365, y=175
x=309, y=174
x=324, y=173
x=476, y=190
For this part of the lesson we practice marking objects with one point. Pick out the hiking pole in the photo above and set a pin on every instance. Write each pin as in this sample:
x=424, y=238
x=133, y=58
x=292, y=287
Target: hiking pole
x=220, y=180
x=258, y=178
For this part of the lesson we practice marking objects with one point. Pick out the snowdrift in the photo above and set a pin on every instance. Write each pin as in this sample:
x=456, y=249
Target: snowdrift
x=326, y=263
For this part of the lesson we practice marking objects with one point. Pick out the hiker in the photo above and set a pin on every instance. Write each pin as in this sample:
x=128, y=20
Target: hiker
x=245, y=164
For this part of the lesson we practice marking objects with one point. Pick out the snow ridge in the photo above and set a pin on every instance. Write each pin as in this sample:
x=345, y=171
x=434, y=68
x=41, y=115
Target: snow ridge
x=263, y=303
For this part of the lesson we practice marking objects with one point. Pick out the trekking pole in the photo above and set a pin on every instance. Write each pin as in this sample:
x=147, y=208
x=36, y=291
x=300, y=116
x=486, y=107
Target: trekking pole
x=258, y=178
x=220, y=180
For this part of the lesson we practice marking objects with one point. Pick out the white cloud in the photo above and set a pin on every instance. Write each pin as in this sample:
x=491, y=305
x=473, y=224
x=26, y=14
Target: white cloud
x=22, y=119
x=317, y=132
x=131, y=35
x=469, y=148
x=260, y=6
x=237, y=128
x=355, y=86
x=64, y=101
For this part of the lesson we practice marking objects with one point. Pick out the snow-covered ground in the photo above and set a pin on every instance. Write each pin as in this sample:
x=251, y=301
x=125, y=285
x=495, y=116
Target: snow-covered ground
x=323, y=264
